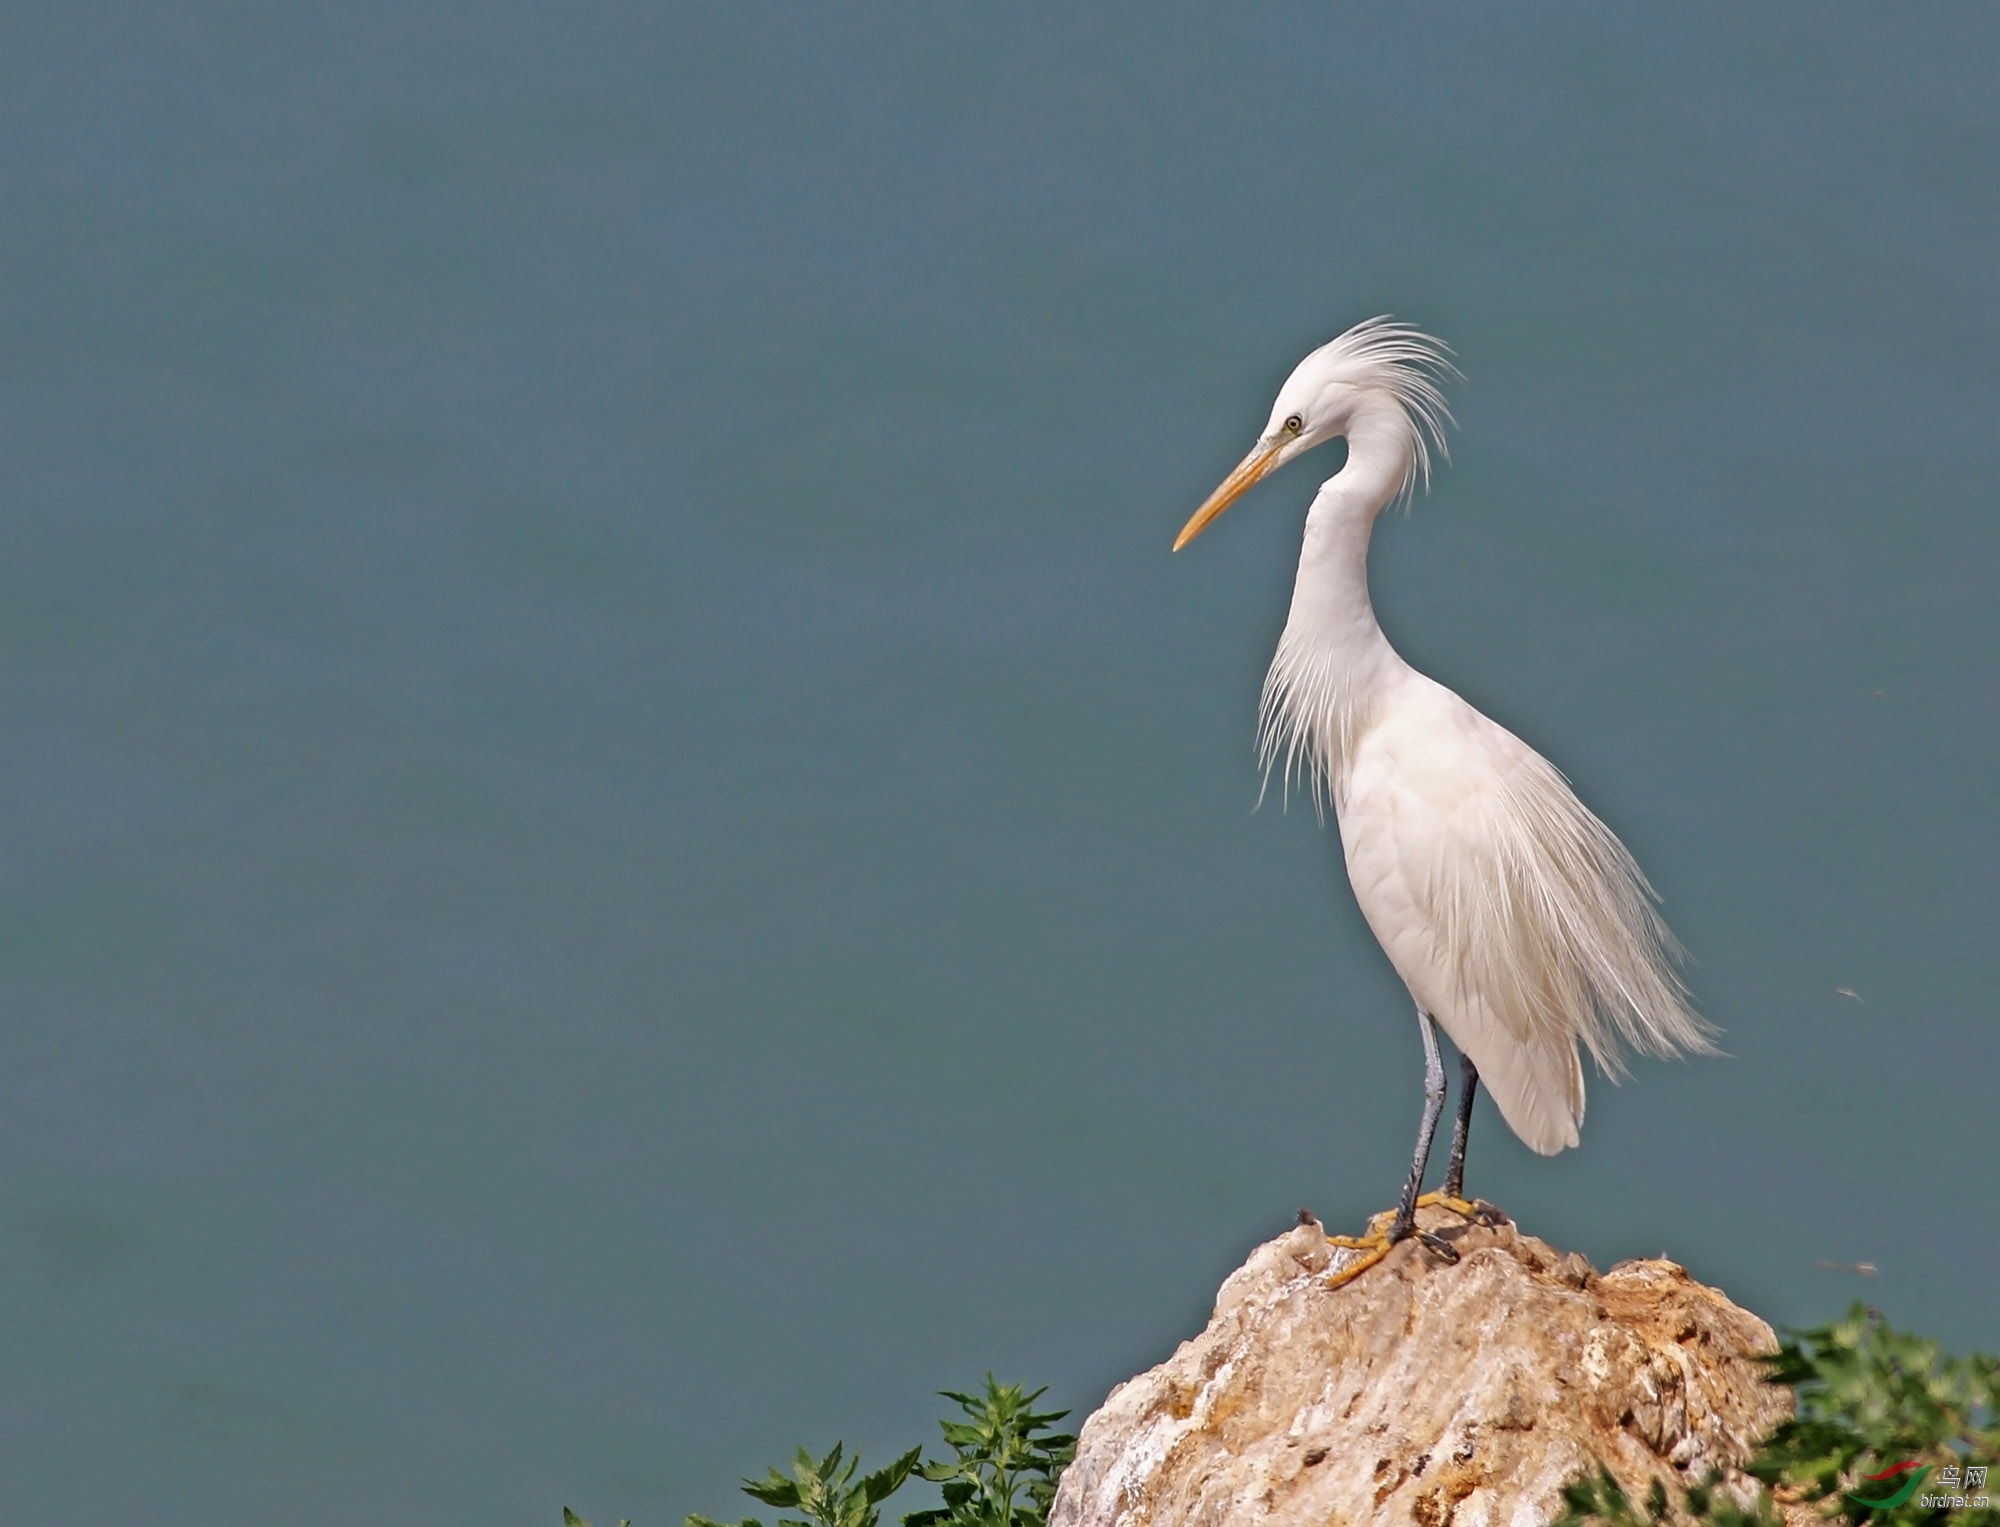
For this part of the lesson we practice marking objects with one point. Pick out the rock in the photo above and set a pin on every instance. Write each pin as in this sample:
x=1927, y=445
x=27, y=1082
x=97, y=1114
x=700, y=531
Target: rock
x=1442, y=1395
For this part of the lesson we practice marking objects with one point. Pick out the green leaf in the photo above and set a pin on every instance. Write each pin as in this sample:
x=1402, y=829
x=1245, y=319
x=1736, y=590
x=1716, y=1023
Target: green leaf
x=571, y=1519
x=883, y=1483
x=773, y=1491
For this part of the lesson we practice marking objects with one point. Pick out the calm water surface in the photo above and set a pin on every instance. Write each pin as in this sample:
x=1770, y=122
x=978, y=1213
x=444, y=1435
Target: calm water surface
x=622, y=846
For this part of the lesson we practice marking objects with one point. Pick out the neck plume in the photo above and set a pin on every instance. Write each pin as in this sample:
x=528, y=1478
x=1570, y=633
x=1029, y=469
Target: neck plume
x=1333, y=658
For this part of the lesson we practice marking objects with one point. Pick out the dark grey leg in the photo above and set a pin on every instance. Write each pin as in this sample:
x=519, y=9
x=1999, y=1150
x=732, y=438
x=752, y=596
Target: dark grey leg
x=1406, y=1213
x=1468, y=1081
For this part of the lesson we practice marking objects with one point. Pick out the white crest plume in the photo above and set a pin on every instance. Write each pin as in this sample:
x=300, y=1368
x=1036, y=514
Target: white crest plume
x=1381, y=355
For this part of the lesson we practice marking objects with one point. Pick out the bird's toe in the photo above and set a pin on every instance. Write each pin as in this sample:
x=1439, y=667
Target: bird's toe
x=1438, y=1246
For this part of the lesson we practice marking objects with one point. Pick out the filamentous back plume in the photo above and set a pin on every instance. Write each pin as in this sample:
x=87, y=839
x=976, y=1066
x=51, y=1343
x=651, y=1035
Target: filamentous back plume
x=1515, y=917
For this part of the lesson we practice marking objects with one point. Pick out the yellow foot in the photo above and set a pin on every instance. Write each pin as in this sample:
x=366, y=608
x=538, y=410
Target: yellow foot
x=1373, y=1249
x=1377, y=1233
x=1462, y=1207
x=1375, y=1244
x=1478, y=1210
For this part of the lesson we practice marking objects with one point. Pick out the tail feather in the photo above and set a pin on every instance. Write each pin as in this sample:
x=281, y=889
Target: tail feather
x=1538, y=1086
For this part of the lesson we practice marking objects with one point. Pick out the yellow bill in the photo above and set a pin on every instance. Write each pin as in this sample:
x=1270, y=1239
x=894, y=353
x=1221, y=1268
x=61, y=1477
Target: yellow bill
x=1248, y=471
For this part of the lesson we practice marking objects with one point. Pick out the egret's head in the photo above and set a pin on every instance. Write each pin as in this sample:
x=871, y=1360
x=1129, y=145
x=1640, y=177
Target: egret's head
x=1375, y=364
x=1315, y=405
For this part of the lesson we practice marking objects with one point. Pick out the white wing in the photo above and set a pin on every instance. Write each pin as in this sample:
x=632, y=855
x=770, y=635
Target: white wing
x=1513, y=914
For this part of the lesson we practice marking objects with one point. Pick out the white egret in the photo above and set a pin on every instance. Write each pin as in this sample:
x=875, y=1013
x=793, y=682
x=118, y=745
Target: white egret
x=1514, y=916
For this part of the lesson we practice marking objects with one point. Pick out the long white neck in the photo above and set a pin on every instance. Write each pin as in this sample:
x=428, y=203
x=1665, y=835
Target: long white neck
x=1333, y=658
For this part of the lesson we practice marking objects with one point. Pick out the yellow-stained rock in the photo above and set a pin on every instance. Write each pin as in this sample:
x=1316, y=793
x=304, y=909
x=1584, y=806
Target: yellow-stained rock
x=1443, y=1395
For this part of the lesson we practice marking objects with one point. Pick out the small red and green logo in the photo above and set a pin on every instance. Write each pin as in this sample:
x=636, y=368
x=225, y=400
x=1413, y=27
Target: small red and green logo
x=1900, y=1480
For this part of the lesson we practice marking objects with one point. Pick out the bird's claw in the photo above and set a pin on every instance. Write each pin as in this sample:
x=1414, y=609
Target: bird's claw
x=1372, y=1251
x=1374, y=1244
x=1381, y=1237
x=1437, y=1245
x=1376, y=1235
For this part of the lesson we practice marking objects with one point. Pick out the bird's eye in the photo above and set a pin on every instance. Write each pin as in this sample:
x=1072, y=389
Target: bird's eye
x=1294, y=424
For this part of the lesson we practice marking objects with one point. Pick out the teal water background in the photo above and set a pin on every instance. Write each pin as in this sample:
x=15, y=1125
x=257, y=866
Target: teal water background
x=622, y=846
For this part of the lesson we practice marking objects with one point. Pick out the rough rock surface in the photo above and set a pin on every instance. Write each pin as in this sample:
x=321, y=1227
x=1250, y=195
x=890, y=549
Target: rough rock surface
x=1444, y=1395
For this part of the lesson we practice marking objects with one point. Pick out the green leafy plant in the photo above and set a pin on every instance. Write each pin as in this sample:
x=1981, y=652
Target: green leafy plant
x=1871, y=1398
x=824, y=1491
x=1002, y=1473
x=571, y=1519
x=1005, y=1461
